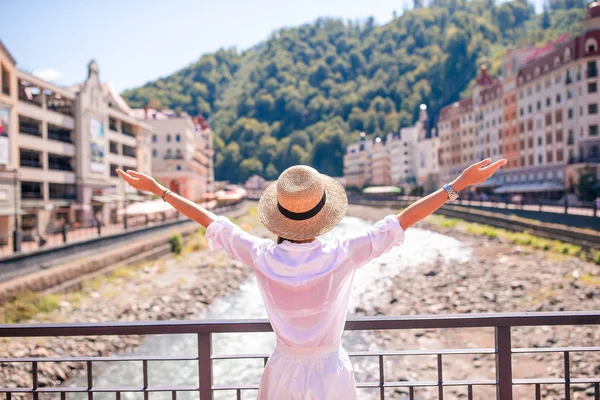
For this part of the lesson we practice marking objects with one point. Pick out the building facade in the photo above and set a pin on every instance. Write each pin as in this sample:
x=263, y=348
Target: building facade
x=65, y=144
x=9, y=194
x=182, y=152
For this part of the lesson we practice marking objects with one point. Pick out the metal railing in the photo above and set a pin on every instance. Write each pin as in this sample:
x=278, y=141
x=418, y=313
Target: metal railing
x=502, y=351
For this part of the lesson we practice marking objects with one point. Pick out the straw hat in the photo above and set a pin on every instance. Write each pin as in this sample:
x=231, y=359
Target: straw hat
x=302, y=204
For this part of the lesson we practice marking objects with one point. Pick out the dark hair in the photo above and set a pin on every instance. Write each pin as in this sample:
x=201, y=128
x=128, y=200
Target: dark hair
x=280, y=239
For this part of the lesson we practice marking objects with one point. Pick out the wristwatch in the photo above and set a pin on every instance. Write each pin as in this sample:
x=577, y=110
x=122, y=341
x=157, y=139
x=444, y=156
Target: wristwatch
x=452, y=195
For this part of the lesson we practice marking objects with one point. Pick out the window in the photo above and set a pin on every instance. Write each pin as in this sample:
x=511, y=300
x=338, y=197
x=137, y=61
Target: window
x=129, y=151
x=592, y=69
x=31, y=190
x=530, y=108
x=539, y=105
x=548, y=119
x=59, y=162
x=178, y=138
x=112, y=124
x=530, y=125
x=59, y=133
x=522, y=145
x=530, y=159
x=559, y=135
x=62, y=191
x=521, y=111
x=558, y=98
x=113, y=170
x=168, y=137
x=592, y=87
x=549, y=156
x=153, y=138
x=548, y=138
x=540, y=141
x=114, y=147
x=570, y=113
x=558, y=116
x=30, y=126
x=593, y=130
x=178, y=167
x=127, y=129
x=592, y=108
x=5, y=81
x=540, y=159
x=559, y=155
x=548, y=101
x=30, y=158
x=530, y=143
x=154, y=153
x=570, y=93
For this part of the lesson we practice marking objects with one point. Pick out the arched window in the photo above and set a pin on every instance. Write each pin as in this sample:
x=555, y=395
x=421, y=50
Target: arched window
x=591, y=45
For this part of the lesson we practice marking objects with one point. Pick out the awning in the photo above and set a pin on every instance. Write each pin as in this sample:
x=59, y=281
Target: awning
x=102, y=199
x=382, y=190
x=135, y=197
x=490, y=183
x=147, y=207
x=531, y=188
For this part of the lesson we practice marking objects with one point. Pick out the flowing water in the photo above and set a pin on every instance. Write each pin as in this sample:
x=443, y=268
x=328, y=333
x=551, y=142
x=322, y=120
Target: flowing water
x=370, y=283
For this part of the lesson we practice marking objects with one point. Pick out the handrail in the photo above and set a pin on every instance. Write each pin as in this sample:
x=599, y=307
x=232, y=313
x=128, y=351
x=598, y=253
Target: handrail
x=262, y=325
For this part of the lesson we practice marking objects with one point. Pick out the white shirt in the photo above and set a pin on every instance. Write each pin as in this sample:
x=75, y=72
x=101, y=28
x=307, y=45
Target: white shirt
x=306, y=286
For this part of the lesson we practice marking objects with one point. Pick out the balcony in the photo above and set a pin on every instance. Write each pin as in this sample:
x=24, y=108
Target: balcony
x=129, y=151
x=127, y=129
x=60, y=134
x=62, y=191
x=30, y=126
x=30, y=93
x=30, y=158
x=170, y=156
x=31, y=191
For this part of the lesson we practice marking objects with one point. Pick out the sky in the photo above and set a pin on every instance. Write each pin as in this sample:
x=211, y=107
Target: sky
x=135, y=41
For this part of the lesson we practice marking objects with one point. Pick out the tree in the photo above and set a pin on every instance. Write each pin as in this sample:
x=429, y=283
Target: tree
x=250, y=167
x=545, y=22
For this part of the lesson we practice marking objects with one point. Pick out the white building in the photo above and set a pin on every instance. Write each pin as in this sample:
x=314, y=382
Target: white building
x=181, y=152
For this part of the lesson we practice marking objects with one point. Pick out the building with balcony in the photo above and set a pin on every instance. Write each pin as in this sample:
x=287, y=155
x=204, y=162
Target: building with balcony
x=9, y=195
x=541, y=115
x=357, y=168
x=182, y=152
x=65, y=143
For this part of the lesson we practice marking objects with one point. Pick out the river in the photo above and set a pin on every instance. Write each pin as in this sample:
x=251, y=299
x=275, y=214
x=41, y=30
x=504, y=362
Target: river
x=421, y=246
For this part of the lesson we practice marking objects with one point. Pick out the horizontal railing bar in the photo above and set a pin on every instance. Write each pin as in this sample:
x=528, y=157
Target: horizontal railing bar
x=481, y=382
x=263, y=325
x=368, y=385
x=554, y=381
x=555, y=349
x=100, y=359
x=370, y=353
x=100, y=390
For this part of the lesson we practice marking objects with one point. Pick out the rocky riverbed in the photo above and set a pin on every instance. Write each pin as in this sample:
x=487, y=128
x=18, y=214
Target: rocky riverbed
x=499, y=277
x=171, y=288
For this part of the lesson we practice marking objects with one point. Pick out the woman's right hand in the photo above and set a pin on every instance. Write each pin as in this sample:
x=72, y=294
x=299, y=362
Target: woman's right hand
x=141, y=181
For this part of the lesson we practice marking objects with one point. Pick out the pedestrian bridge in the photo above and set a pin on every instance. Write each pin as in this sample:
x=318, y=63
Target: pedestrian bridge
x=502, y=351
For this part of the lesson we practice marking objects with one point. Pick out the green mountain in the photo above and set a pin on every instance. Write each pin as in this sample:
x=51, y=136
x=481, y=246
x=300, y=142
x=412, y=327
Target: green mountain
x=303, y=94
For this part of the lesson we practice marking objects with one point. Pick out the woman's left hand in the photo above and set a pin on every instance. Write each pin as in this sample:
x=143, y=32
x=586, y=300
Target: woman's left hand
x=477, y=173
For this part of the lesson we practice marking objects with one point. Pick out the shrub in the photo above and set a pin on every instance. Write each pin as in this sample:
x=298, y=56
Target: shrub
x=176, y=243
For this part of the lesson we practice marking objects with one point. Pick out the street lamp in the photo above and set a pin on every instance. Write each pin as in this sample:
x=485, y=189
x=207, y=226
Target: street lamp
x=16, y=233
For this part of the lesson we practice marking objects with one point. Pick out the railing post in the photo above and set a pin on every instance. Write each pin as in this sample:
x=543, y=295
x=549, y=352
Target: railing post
x=503, y=363
x=205, y=366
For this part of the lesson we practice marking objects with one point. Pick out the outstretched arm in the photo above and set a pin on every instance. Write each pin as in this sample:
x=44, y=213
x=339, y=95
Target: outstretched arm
x=476, y=173
x=188, y=208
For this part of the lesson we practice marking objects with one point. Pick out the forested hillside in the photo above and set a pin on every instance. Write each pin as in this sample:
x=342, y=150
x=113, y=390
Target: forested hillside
x=303, y=94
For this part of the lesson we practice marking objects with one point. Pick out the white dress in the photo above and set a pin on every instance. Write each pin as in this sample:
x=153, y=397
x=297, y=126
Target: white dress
x=305, y=288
